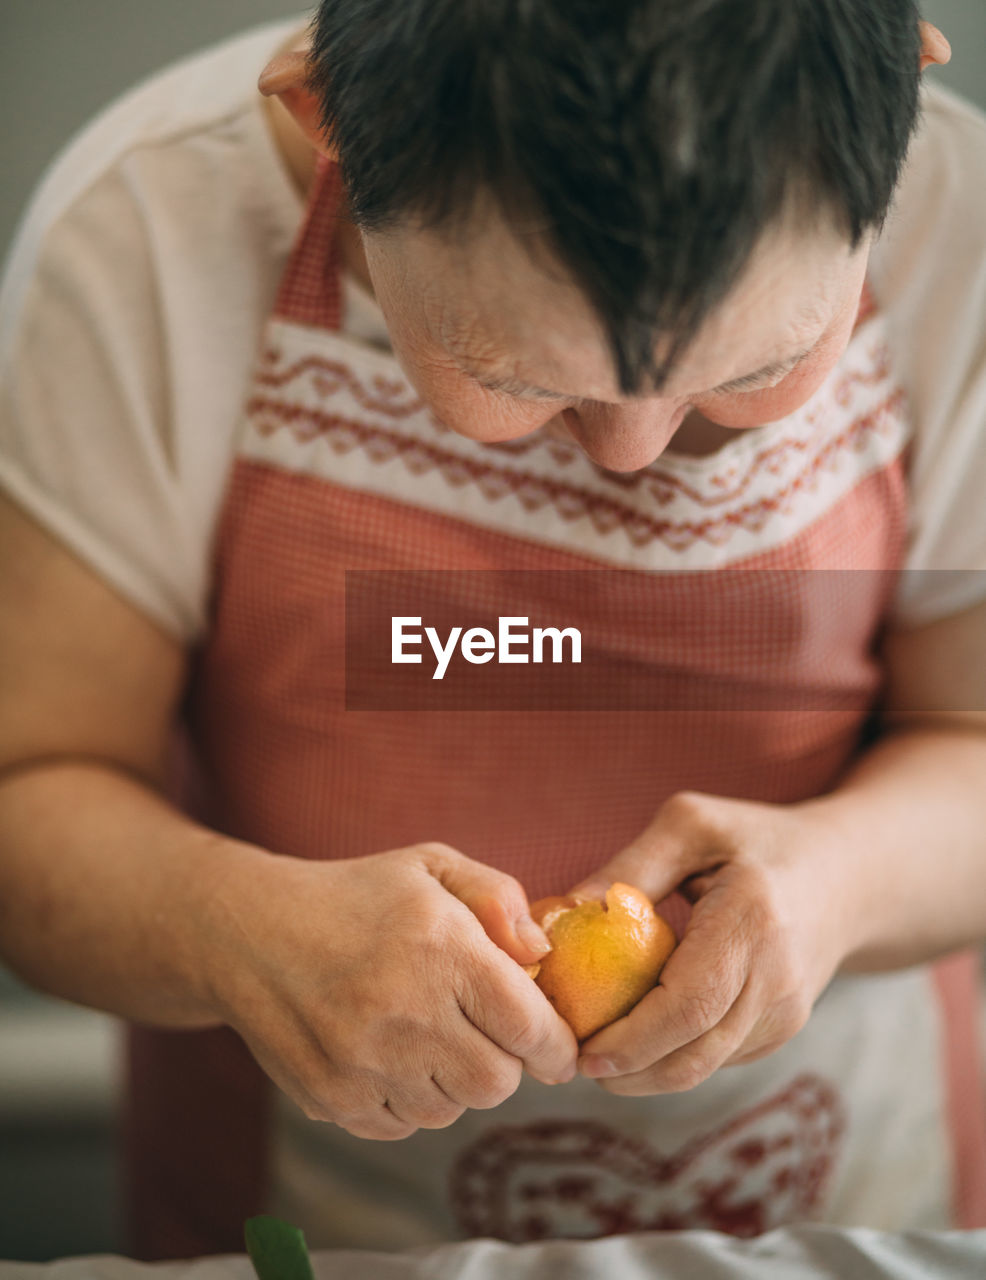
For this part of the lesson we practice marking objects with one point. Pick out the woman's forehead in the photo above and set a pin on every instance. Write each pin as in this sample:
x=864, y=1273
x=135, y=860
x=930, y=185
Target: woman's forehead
x=501, y=307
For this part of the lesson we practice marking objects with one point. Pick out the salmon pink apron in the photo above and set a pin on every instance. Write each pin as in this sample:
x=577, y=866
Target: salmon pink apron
x=769, y=572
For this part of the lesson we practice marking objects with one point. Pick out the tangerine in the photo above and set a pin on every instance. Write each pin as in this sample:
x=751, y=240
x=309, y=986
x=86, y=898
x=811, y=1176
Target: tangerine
x=604, y=957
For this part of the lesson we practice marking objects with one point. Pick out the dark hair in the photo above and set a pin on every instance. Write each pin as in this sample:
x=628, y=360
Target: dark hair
x=657, y=139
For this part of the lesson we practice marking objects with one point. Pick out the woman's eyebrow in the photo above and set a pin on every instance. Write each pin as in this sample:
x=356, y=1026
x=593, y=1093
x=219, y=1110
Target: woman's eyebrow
x=768, y=371
x=513, y=386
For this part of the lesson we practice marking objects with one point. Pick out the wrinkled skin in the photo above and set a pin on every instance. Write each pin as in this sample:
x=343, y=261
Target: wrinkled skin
x=390, y=1008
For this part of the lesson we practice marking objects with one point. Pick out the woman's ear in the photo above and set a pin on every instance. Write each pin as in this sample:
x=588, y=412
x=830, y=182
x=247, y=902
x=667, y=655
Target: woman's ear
x=934, y=47
x=285, y=77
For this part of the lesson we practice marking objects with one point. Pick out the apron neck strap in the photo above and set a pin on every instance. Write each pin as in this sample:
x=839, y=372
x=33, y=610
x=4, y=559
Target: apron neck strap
x=309, y=292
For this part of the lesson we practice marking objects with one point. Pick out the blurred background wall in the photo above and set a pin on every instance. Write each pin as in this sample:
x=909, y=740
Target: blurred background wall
x=60, y=61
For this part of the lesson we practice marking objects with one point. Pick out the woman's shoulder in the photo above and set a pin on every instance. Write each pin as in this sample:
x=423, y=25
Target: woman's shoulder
x=929, y=276
x=936, y=229
x=148, y=145
x=142, y=272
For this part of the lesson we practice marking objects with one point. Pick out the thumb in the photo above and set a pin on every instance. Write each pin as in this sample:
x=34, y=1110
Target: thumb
x=496, y=899
x=640, y=864
x=671, y=848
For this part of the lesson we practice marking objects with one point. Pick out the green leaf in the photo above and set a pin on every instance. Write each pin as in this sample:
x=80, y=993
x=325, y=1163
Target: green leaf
x=277, y=1250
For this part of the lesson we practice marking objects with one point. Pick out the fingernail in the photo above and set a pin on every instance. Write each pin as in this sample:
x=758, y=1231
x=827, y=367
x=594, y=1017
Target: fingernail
x=589, y=892
x=532, y=935
x=593, y=1066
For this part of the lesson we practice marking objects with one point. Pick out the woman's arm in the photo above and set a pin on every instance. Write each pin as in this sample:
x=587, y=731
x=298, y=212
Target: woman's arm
x=111, y=897
x=96, y=870
x=911, y=815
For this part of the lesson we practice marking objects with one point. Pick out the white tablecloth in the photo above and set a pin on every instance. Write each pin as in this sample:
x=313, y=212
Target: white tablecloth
x=793, y=1253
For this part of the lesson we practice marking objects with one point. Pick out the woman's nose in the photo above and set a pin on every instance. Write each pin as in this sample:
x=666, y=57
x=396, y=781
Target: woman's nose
x=624, y=437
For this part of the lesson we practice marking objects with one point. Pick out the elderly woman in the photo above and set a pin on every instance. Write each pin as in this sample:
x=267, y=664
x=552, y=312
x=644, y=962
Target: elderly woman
x=600, y=307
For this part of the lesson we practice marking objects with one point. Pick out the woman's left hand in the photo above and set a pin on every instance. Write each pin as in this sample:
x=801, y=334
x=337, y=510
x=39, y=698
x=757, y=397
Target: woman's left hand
x=771, y=922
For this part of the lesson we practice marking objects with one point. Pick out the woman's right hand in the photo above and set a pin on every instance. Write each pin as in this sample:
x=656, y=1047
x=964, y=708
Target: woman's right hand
x=371, y=991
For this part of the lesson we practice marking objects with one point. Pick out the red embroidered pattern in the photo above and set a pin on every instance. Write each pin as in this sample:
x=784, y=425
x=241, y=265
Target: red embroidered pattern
x=389, y=396
x=573, y=502
x=580, y=1179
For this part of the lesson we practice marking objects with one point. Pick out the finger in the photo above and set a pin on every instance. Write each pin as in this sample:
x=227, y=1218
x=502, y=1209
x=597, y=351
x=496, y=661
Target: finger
x=388, y=1107
x=424, y=1106
x=681, y=840
x=697, y=886
x=502, y=1002
x=497, y=900
x=761, y=1050
x=306, y=1087
x=689, y=1066
x=380, y=1125
x=777, y=1024
x=476, y=1073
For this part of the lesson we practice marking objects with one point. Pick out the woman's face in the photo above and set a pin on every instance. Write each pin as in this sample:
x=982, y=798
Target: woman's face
x=499, y=345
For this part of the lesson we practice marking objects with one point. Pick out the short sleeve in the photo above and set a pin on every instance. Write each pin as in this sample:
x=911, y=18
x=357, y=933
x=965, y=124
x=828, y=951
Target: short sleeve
x=929, y=273
x=85, y=442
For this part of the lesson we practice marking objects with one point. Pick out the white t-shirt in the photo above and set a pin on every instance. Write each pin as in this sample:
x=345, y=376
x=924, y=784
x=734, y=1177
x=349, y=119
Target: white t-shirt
x=149, y=259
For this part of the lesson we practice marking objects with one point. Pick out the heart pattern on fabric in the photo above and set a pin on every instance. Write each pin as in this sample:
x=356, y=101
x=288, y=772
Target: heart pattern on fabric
x=580, y=1179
